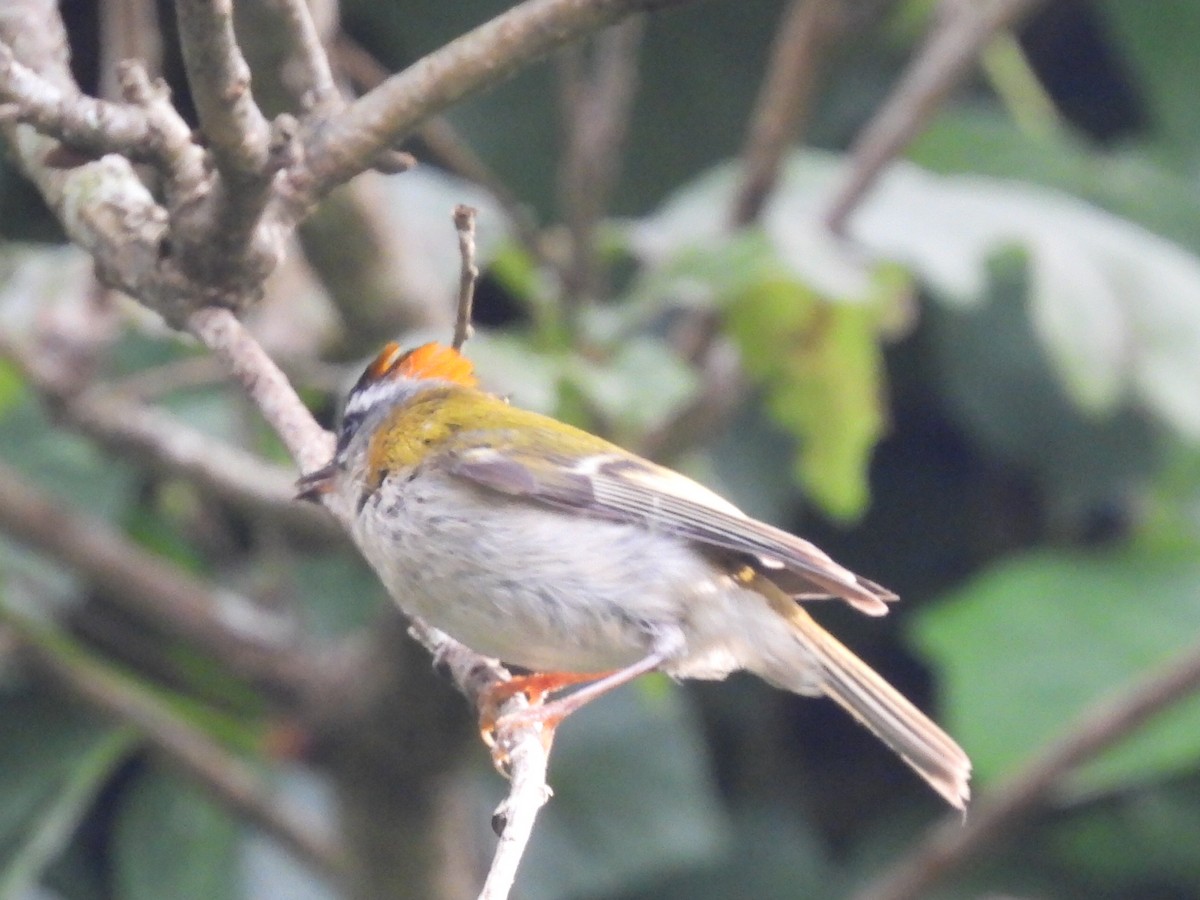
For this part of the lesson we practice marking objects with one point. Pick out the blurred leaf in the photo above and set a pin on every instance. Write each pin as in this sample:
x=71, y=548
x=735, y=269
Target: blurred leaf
x=637, y=389
x=11, y=387
x=58, y=818
x=171, y=840
x=1025, y=646
x=633, y=799
x=508, y=366
x=66, y=465
x=821, y=367
x=776, y=854
x=339, y=593
x=807, y=314
x=418, y=222
x=999, y=384
x=1117, y=307
x=1159, y=42
x=44, y=741
x=1124, y=180
x=1124, y=838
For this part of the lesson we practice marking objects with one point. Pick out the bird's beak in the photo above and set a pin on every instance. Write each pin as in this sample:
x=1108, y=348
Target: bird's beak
x=317, y=483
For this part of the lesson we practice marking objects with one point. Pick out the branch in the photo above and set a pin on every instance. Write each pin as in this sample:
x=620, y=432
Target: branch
x=183, y=746
x=220, y=331
x=151, y=589
x=528, y=757
x=349, y=143
x=445, y=146
x=464, y=224
x=93, y=126
x=966, y=27
x=597, y=95
x=127, y=427
x=237, y=131
x=312, y=81
x=785, y=99
x=1099, y=727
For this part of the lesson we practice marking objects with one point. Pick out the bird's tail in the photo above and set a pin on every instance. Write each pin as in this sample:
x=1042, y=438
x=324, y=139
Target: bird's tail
x=852, y=684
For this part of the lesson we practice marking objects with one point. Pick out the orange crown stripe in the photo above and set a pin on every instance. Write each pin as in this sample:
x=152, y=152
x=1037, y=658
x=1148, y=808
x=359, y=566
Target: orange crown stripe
x=383, y=364
x=436, y=361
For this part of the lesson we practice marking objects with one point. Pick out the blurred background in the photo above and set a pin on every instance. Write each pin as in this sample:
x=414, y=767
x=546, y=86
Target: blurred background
x=985, y=394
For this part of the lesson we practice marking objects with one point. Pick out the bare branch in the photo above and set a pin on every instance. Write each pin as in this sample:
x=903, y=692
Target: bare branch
x=964, y=30
x=182, y=746
x=1100, y=726
x=151, y=589
x=176, y=155
x=464, y=224
x=379, y=120
x=87, y=124
x=312, y=81
x=597, y=96
x=237, y=132
x=219, y=330
x=785, y=99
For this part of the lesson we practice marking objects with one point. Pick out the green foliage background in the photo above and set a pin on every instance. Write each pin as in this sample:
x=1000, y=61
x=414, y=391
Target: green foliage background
x=991, y=403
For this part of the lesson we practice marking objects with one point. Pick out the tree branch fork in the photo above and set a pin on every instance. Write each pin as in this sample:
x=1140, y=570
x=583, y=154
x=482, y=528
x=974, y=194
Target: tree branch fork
x=190, y=224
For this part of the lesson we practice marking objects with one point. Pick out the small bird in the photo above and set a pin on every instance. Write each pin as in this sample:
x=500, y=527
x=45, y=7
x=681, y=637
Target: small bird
x=551, y=549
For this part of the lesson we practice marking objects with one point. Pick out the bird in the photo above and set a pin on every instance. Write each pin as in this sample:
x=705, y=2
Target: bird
x=549, y=548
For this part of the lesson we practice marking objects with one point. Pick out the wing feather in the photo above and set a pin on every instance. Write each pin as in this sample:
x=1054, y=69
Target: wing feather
x=620, y=487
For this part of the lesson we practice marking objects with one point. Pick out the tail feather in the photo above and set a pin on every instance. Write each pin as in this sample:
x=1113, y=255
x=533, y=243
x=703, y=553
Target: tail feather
x=852, y=684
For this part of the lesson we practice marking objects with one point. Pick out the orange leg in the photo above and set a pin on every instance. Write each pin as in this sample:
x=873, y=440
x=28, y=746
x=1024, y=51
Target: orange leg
x=546, y=717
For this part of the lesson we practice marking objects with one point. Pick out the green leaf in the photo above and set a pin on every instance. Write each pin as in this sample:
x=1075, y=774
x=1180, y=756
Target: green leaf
x=12, y=387
x=58, y=818
x=822, y=370
x=171, y=840
x=1116, y=306
x=807, y=314
x=1027, y=645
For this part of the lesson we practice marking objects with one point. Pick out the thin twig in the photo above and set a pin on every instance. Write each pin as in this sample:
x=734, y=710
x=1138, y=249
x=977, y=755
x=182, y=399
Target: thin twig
x=181, y=745
x=597, y=97
x=482, y=57
x=784, y=99
x=1099, y=727
x=146, y=586
x=464, y=224
x=965, y=28
x=475, y=675
x=312, y=82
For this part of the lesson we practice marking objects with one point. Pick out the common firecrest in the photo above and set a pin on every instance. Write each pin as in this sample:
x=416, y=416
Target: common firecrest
x=551, y=549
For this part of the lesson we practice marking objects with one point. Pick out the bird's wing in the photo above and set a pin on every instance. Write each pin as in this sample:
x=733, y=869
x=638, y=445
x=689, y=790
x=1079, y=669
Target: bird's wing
x=611, y=484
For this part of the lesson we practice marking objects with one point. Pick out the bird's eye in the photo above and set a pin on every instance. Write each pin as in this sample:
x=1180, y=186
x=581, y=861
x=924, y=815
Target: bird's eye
x=350, y=422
